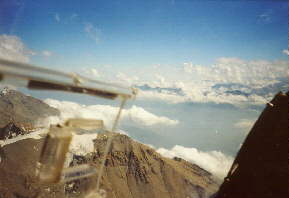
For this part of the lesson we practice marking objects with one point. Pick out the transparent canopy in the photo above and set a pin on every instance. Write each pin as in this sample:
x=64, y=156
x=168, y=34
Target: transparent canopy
x=33, y=77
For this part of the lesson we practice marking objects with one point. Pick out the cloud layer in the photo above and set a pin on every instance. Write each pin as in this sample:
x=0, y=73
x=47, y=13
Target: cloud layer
x=13, y=48
x=135, y=115
x=57, y=17
x=229, y=81
x=46, y=53
x=213, y=161
x=286, y=51
x=92, y=32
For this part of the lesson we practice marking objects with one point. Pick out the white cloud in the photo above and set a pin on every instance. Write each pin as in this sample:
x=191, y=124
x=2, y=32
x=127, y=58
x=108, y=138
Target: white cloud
x=167, y=97
x=135, y=115
x=199, y=96
x=213, y=161
x=125, y=79
x=285, y=51
x=235, y=70
x=159, y=81
x=57, y=17
x=244, y=124
x=266, y=17
x=230, y=81
x=92, y=32
x=46, y=53
x=74, y=16
x=92, y=72
x=12, y=48
x=144, y=118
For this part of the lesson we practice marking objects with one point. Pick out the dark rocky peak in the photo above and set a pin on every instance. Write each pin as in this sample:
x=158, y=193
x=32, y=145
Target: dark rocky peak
x=261, y=166
x=11, y=130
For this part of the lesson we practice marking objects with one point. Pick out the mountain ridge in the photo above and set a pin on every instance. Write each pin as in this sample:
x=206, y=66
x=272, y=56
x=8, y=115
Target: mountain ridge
x=20, y=113
x=132, y=169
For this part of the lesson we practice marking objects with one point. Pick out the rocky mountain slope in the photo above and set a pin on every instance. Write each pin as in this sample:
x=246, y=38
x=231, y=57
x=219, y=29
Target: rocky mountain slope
x=132, y=170
x=19, y=113
x=136, y=170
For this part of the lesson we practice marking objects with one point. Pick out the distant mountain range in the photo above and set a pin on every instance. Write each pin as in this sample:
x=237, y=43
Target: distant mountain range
x=146, y=87
x=228, y=88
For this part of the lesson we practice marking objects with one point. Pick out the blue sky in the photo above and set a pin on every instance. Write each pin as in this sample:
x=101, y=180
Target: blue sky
x=205, y=69
x=141, y=33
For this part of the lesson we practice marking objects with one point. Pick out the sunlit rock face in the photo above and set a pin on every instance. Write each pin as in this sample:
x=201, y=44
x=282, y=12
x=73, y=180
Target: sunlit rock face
x=136, y=170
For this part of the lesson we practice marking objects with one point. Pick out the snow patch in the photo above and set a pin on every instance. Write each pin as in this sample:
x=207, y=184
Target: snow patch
x=82, y=144
x=33, y=135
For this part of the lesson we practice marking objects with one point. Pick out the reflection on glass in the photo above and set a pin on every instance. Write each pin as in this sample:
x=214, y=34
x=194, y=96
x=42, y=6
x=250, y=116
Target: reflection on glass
x=53, y=154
